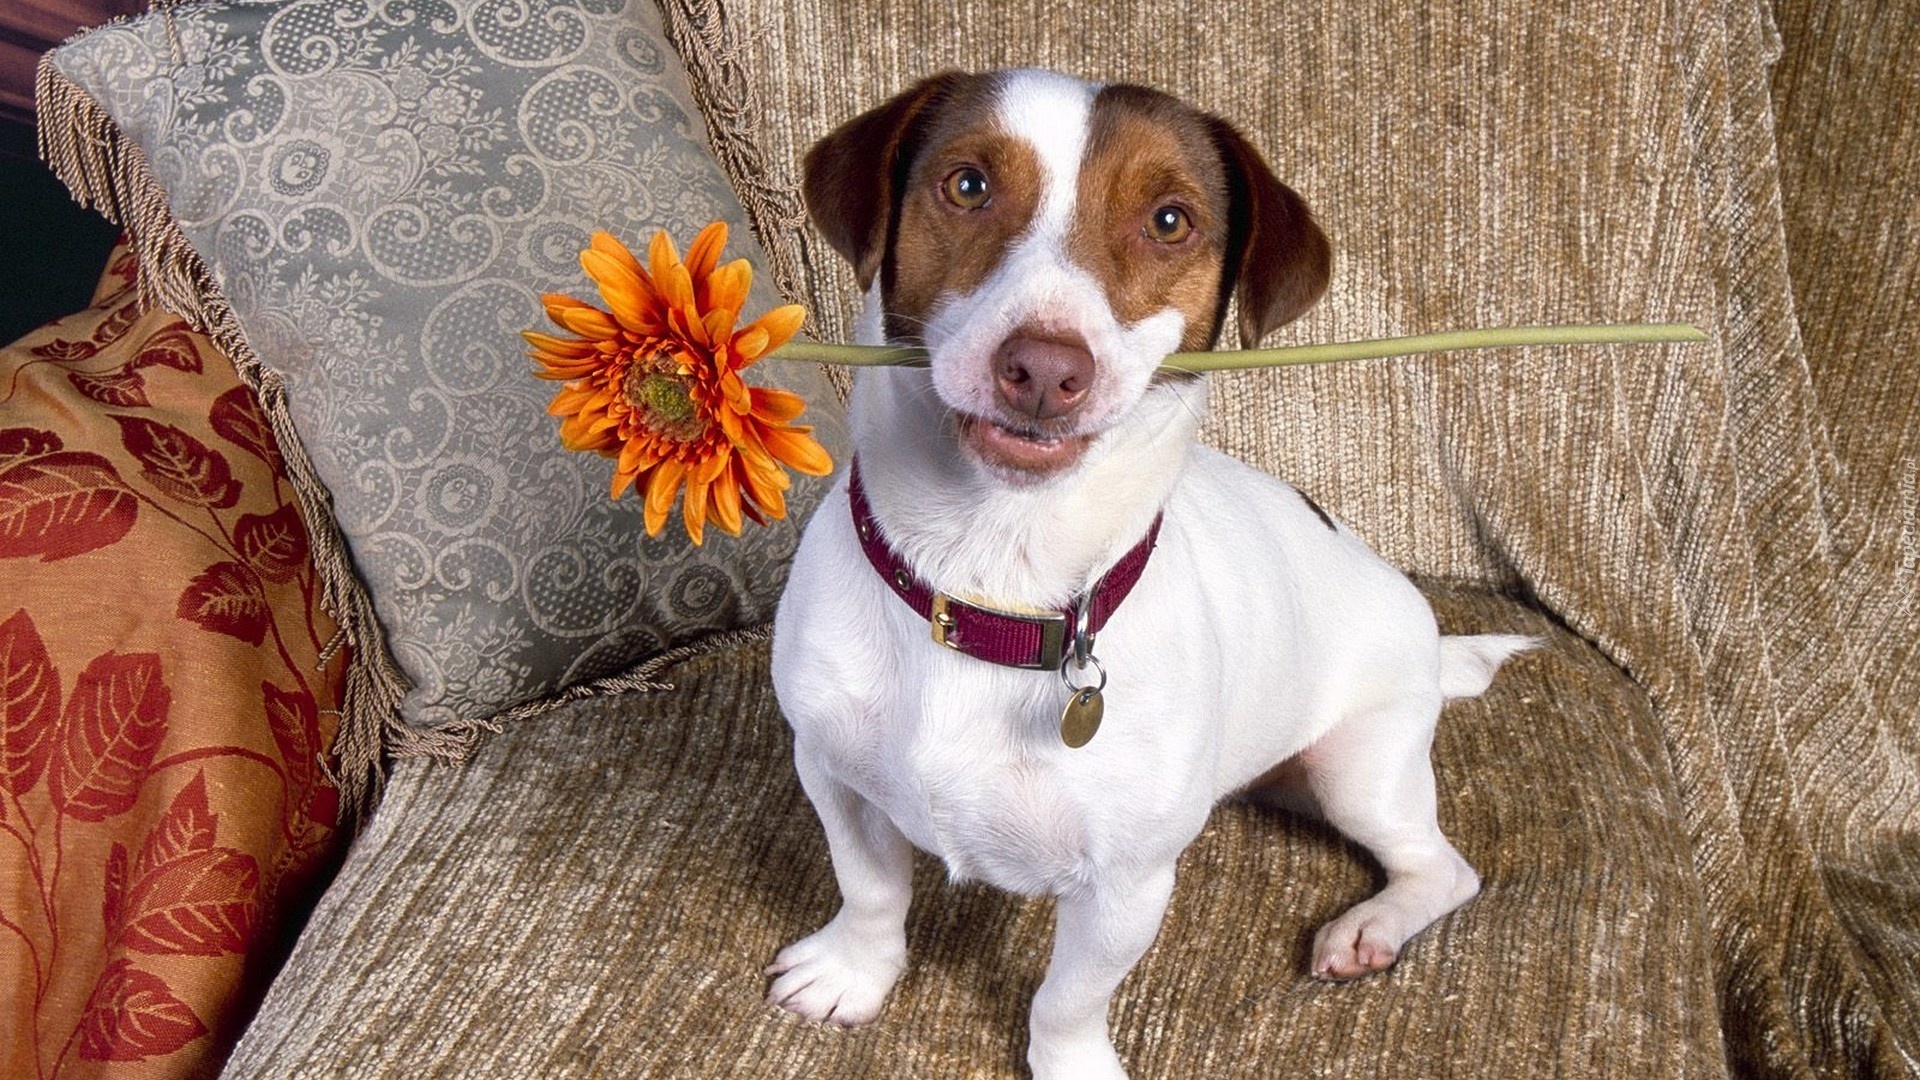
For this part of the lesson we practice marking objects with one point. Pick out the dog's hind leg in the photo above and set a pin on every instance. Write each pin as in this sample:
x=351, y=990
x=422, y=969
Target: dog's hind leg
x=843, y=971
x=1372, y=779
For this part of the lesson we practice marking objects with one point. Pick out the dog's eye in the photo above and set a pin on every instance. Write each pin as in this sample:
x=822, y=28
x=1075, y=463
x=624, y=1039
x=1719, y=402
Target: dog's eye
x=967, y=188
x=1169, y=225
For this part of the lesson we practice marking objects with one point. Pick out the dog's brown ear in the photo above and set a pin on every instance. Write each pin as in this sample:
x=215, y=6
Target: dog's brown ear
x=1278, y=260
x=854, y=176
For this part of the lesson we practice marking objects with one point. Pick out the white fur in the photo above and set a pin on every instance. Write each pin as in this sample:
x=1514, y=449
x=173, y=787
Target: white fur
x=1051, y=112
x=1257, y=634
x=1467, y=664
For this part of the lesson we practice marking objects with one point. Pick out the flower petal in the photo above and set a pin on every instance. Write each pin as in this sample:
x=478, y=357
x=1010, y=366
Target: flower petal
x=735, y=392
x=554, y=300
x=776, y=406
x=729, y=286
x=608, y=244
x=715, y=463
x=694, y=328
x=694, y=510
x=797, y=448
x=749, y=343
x=561, y=347
x=588, y=322
x=780, y=324
x=570, y=399
x=766, y=491
x=632, y=302
x=622, y=480
x=718, y=324
x=661, y=254
x=662, y=486
x=725, y=497
x=563, y=370
x=574, y=437
x=704, y=253
x=639, y=455
x=676, y=287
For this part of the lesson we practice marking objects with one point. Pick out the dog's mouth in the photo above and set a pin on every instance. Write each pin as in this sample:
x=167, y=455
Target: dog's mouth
x=1031, y=451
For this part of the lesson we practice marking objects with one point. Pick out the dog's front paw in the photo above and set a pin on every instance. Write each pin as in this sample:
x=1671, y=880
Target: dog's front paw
x=1089, y=1059
x=835, y=976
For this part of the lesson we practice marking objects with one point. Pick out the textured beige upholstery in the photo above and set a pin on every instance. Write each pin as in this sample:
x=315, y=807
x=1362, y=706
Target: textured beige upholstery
x=595, y=894
x=1698, y=812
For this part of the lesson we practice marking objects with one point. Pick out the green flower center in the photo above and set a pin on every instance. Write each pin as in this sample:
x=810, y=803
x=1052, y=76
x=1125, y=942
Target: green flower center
x=665, y=402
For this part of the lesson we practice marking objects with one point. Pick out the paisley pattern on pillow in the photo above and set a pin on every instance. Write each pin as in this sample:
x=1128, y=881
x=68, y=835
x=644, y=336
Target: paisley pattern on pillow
x=382, y=191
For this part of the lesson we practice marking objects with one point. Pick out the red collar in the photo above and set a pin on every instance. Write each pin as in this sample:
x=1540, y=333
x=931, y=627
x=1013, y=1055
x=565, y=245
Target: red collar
x=1007, y=638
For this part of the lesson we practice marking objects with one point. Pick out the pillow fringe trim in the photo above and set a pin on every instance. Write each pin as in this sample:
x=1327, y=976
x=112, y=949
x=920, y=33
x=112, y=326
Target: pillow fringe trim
x=718, y=81
x=716, y=68
x=643, y=677
x=109, y=173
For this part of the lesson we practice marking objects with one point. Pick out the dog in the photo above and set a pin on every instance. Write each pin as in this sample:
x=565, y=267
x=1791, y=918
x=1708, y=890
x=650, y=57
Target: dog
x=1036, y=629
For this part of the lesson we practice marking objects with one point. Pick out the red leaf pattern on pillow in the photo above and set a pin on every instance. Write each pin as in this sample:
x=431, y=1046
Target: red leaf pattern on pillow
x=148, y=733
x=114, y=722
x=29, y=703
x=236, y=418
x=179, y=464
x=61, y=351
x=187, y=827
x=275, y=544
x=172, y=347
x=56, y=503
x=311, y=801
x=124, y=389
x=187, y=895
x=117, y=323
x=290, y=718
x=123, y=270
x=113, y=899
x=20, y=443
x=226, y=598
x=133, y=1016
x=200, y=903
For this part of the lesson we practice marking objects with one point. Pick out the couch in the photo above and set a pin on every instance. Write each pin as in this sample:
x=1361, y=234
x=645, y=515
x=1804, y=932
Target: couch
x=1696, y=809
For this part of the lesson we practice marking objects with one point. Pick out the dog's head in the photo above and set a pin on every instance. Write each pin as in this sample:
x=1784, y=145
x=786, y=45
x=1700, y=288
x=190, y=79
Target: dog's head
x=1050, y=241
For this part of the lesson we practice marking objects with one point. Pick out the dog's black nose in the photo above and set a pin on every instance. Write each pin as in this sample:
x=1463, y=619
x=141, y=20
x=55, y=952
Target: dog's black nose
x=1043, y=375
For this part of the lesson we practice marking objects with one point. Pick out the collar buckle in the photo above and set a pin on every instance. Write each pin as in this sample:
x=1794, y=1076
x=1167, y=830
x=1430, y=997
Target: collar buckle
x=948, y=613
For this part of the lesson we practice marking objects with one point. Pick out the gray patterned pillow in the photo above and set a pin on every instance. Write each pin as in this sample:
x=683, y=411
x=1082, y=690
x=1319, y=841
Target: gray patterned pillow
x=382, y=191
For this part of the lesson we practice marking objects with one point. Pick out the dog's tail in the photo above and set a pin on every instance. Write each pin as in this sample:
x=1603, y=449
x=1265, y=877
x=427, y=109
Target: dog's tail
x=1467, y=664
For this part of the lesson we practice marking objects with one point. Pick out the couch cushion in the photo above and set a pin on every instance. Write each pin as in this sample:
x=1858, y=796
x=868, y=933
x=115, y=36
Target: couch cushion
x=168, y=698
x=598, y=892
x=1484, y=162
x=375, y=201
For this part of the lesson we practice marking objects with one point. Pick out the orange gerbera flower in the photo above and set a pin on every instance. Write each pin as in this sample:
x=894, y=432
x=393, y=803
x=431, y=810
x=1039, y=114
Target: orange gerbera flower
x=654, y=383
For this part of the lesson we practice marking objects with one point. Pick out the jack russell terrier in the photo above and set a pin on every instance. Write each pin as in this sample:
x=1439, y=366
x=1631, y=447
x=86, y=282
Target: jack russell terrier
x=1035, y=629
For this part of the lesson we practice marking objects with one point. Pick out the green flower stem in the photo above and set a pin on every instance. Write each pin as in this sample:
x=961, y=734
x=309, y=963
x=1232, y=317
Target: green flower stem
x=1371, y=349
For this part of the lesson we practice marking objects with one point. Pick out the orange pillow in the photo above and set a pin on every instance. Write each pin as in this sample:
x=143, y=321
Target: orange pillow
x=167, y=698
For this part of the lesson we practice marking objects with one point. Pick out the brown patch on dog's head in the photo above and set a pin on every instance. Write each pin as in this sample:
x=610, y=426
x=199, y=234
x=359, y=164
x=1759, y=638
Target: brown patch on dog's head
x=852, y=178
x=877, y=188
x=1251, y=235
x=1148, y=154
x=944, y=248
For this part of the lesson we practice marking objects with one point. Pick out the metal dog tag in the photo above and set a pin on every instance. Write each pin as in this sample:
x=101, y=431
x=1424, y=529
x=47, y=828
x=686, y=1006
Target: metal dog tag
x=1081, y=718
